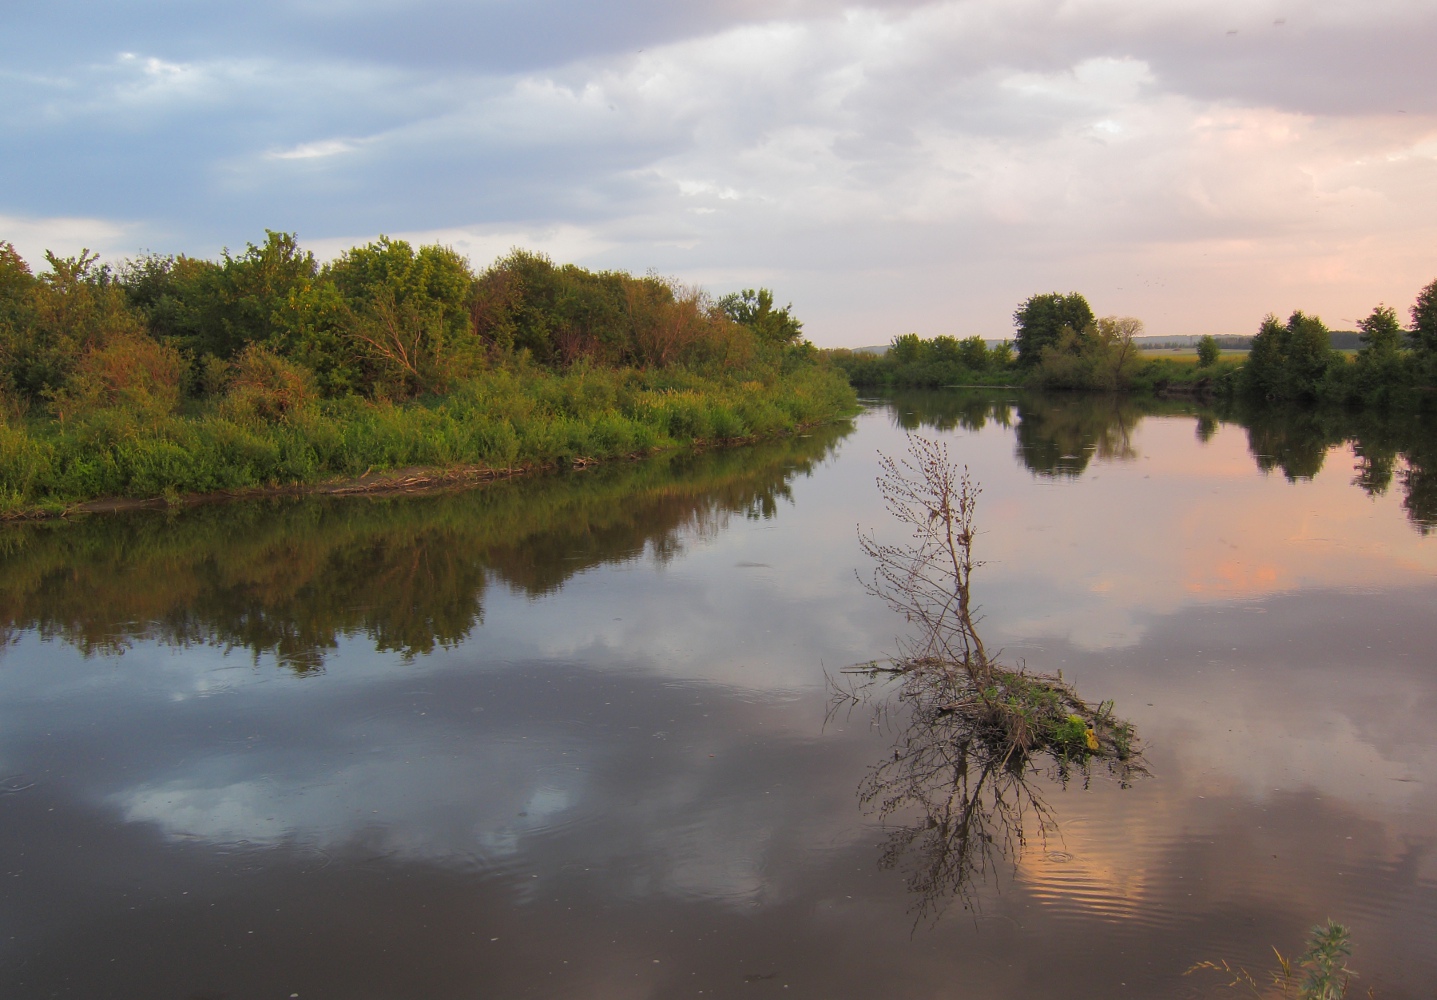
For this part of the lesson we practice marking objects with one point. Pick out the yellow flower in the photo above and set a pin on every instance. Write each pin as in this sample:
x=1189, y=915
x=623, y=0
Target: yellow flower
x=1092, y=739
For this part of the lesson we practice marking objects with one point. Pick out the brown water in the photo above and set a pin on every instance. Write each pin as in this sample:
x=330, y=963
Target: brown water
x=567, y=737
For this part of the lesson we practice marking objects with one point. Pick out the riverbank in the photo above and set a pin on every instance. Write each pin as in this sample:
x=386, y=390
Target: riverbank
x=501, y=423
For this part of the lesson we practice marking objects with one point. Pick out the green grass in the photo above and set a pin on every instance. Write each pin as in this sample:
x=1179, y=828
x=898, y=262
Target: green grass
x=503, y=420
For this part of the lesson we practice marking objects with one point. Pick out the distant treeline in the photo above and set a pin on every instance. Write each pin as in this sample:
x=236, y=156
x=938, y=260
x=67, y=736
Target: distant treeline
x=1060, y=344
x=176, y=374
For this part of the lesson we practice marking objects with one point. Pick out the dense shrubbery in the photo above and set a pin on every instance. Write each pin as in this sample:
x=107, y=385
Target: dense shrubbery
x=914, y=363
x=173, y=374
x=1294, y=361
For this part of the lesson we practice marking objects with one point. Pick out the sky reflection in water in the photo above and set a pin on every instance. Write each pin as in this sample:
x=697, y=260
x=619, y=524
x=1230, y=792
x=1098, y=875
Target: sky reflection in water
x=584, y=715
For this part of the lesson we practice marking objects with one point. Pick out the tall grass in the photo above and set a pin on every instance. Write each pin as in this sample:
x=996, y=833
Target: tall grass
x=504, y=419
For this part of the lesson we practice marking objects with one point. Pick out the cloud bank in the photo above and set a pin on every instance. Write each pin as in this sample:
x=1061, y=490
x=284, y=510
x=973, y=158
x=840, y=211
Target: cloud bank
x=889, y=166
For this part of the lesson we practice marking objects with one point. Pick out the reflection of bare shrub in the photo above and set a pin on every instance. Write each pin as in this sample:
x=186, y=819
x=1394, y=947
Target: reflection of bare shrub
x=129, y=371
x=264, y=386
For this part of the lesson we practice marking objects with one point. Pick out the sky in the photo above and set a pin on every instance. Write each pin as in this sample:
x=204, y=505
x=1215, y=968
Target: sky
x=887, y=167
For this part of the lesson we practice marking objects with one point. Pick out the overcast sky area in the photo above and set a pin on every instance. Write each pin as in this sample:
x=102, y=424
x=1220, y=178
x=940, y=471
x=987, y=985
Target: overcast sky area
x=889, y=167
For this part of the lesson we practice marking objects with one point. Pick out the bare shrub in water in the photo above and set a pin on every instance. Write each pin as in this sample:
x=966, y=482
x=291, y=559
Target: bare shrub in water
x=945, y=668
x=955, y=790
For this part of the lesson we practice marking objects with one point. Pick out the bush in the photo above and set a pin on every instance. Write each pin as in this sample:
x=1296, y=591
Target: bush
x=130, y=371
x=264, y=386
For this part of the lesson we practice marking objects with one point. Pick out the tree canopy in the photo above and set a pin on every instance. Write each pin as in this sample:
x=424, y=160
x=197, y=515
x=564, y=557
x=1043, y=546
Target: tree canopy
x=1041, y=320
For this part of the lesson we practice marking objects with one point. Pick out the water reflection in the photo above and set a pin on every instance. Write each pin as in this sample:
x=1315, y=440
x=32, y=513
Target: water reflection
x=1388, y=447
x=291, y=578
x=647, y=805
x=1059, y=435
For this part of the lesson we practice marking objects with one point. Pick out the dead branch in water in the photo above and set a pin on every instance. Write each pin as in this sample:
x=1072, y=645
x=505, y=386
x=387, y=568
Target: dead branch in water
x=974, y=729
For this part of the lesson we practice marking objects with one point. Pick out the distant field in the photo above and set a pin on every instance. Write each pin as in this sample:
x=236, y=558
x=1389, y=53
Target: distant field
x=1188, y=354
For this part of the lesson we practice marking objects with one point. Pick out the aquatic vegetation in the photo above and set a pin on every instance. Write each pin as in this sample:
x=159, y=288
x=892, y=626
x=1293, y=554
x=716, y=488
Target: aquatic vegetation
x=1323, y=969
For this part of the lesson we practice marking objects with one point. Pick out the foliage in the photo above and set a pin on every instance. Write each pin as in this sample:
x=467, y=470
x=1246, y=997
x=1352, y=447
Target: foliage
x=407, y=316
x=129, y=371
x=1103, y=356
x=172, y=374
x=912, y=362
x=1325, y=975
x=1424, y=328
x=1208, y=351
x=754, y=309
x=1041, y=320
x=1289, y=361
x=263, y=386
x=503, y=419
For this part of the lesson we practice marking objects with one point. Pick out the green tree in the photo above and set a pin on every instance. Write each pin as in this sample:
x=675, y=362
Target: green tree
x=408, y=314
x=177, y=295
x=74, y=308
x=1041, y=319
x=906, y=349
x=1381, y=333
x=222, y=309
x=974, y=354
x=1208, y=351
x=1113, y=349
x=1424, y=328
x=754, y=309
x=1289, y=361
x=1381, y=368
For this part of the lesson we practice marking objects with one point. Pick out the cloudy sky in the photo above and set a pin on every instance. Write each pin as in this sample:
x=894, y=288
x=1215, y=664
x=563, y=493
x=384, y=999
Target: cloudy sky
x=889, y=166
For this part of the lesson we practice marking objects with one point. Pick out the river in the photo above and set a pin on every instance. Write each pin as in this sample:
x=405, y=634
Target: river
x=573, y=735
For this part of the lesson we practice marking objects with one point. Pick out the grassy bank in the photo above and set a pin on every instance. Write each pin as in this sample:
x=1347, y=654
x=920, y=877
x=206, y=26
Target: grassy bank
x=505, y=419
x=170, y=376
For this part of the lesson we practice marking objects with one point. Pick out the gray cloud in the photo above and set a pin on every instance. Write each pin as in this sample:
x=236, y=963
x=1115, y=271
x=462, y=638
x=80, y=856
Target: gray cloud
x=1194, y=164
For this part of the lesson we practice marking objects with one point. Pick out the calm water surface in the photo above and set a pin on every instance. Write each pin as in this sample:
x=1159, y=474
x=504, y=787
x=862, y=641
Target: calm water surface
x=567, y=737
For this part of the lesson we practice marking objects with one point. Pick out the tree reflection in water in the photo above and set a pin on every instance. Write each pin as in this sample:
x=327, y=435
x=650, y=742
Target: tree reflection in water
x=1060, y=434
x=291, y=578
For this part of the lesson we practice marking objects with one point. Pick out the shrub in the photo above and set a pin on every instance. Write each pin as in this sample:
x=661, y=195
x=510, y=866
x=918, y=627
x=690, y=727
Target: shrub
x=130, y=371
x=264, y=386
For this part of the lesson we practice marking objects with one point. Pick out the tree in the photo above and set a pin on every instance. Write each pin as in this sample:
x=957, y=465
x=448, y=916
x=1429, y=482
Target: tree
x=1113, y=347
x=1208, y=351
x=1288, y=361
x=1041, y=319
x=906, y=349
x=754, y=309
x=1103, y=355
x=241, y=300
x=1424, y=329
x=410, y=314
x=1381, y=333
x=974, y=353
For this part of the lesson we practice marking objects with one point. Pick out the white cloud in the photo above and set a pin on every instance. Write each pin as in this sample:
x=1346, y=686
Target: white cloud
x=909, y=166
x=314, y=150
x=66, y=237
